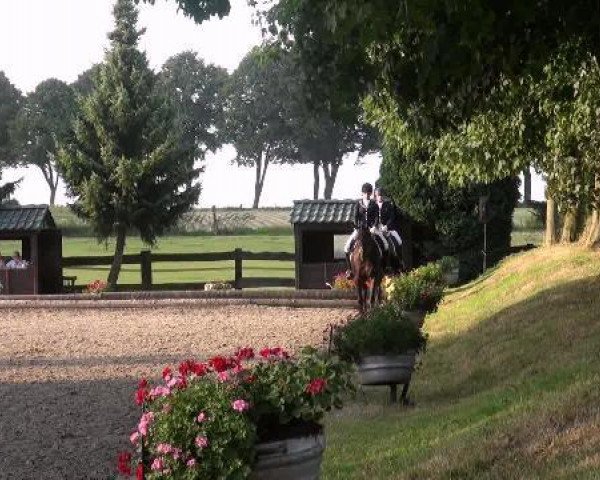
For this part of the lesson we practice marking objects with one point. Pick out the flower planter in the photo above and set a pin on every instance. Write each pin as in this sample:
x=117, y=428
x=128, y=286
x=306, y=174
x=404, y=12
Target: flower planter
x=291, y=459
x=415, y=316
x=451, y=277
x=386, y=369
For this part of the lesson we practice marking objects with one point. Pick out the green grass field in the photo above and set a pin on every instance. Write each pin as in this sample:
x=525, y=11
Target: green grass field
x=508, y=389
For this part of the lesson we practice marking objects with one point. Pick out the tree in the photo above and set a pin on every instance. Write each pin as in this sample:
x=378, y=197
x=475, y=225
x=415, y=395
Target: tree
x=255, y=121
x=200, y=10
x=196, y=94
x=126, y=167
x=43, y=123
x=10, y=102
x=84, y=85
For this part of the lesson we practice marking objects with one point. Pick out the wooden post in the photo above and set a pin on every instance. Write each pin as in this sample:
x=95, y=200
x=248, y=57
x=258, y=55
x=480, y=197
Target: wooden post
x=237, y=256
x=146, y=269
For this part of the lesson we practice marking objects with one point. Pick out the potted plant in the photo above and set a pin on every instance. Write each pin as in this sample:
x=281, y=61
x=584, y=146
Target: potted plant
x=340, y=282
x=449, y=267
x=96, y=287
x=416, y=293
x=383, y=343
x=238, y=417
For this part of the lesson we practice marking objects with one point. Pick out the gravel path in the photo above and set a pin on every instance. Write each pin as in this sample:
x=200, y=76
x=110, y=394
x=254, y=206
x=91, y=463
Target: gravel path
x=67, y=376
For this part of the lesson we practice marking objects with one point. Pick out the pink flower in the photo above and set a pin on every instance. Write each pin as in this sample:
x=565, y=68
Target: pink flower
x=176, y=452
x=223, y=376
x=145, y=422
x=240, y=405
x=166, y=374
x=201, y=417
x=191, y=463
x=173, y=382
x=164, y=448
x=157, y=464
x=160, y=392
x=201, y=441
x=134, y=438
x=316, y=386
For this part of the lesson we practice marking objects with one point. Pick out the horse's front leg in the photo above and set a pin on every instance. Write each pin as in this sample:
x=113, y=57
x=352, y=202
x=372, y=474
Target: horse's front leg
x=361, y=293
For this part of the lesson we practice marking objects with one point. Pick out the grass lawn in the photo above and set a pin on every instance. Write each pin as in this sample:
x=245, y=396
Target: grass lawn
x=508, y=389
x=168, y=272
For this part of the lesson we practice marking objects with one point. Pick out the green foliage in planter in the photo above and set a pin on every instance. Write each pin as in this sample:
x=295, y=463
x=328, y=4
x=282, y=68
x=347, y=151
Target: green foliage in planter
x=282, y=392
x=204, y=420
x=421, y=289
x=230, y=435
x=380, y=331
x=447, y=264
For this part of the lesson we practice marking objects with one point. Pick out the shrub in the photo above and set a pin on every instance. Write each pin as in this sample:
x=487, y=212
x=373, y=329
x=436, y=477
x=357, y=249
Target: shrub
x=340, y=282
x=421, y=289
x=380, y=331
x=447, y=264
x=203, y=421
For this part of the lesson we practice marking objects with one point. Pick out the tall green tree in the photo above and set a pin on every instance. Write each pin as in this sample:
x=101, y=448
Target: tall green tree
x=10, y=102
x=255, y=114
x=127, y=168
x=84, y=85
x=196, y=93
x=42, y=125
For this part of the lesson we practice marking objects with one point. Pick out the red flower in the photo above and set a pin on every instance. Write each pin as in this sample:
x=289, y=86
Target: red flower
x=219, y=364
x=140, y=396
x=139, y=472
x=143, y=383
x=124, y=463
x=316, y=386
x=244, y=354
x=276, y=352
x=167, y=373
x=200, y=369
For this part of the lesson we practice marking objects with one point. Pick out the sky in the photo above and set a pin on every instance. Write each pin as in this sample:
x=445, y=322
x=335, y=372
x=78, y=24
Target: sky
x=41, y=39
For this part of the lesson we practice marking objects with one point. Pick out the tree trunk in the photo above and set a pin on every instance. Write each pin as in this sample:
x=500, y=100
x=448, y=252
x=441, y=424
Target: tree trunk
x=317, y=179
x=550, y=238
x=261, y=172
x=527, y=186
x=115, y=268
x=53, y=189
x=330, y=171
x=569, y=228
x=592, y=232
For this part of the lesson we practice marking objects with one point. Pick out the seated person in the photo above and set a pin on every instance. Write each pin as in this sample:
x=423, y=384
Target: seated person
x=16, y=261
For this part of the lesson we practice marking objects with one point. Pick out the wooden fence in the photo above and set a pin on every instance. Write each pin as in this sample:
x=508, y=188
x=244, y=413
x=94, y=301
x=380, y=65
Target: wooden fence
x=146, y=259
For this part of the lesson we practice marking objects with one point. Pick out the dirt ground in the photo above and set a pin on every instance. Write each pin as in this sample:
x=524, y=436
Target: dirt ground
x=67, y=377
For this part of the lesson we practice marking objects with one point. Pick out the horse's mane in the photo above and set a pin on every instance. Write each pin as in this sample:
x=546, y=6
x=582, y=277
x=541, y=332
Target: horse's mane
x=369, y=246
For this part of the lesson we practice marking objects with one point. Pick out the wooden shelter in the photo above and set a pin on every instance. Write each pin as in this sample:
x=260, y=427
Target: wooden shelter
x=320, y=230
x=41, y=247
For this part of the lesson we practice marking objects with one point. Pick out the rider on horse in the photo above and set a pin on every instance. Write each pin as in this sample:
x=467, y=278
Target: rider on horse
x=366, y=214
x=386, y=228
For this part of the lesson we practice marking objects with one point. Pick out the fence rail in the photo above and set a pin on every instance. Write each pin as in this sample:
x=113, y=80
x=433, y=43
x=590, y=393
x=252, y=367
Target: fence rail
x=146, y=259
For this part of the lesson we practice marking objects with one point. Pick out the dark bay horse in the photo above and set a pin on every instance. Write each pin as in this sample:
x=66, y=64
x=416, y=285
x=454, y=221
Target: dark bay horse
x=367, y=268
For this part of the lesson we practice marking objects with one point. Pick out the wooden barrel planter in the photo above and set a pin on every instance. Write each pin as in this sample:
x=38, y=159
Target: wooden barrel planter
x=392, y=370
x=290, y=459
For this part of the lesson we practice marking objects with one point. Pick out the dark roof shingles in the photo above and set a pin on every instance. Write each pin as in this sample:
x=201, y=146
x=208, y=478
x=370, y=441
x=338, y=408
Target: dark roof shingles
x=25, y=219
x=323, y=211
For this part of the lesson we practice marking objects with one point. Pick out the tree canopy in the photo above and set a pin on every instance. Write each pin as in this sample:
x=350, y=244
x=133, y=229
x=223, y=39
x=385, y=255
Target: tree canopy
x=127, y=168
x=10, y=102
x=255, y=113
x=43, y=123
x=195, y=91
